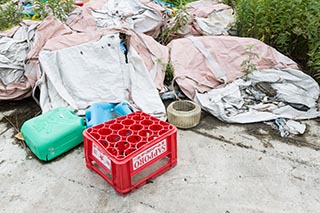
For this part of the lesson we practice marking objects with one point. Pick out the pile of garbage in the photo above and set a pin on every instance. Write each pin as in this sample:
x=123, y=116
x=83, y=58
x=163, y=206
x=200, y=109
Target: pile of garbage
x=108, y=51
x=99, y=78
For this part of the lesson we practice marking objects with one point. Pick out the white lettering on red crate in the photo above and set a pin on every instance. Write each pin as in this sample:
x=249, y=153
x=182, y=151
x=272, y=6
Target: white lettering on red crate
x=149, y=154
x=100, y=156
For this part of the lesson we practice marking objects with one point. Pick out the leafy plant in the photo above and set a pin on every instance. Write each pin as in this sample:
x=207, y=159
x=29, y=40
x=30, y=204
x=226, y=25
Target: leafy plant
x=179, y=2
x=232, y=3
x=169, y=74
x=180, y=20
x=247, y=65
x=4, y=1
x=58, y=8
x=11, y=11
x=292, y=27
x=9, y=15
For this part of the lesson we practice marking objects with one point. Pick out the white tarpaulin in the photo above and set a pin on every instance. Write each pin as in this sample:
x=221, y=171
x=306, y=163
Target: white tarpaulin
x=132, y=13
x=16, y=80
x=12, y=55
x=210, y=17
x=214, y=60
x=241, y=102
x=217, y=23
x=204, y=17
x=96, y=71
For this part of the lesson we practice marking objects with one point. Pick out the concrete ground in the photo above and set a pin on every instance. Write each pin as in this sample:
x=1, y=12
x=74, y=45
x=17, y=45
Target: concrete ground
x=221, y=168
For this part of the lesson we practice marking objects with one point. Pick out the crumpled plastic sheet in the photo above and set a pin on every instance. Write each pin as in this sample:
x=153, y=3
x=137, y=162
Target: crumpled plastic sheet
x=12, y=55
x=140, y=16
x=210, y=17
x=15, y=79
x=205, y=18
x=294, y=88
x=95, y=71
x=214, y=60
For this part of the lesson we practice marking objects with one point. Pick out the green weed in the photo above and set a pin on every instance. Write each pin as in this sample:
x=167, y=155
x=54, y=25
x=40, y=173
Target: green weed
x=232, y=3
x=10, y=11
x=58, y=8
x=9, y=15
x=179, y=2
x=292, y=27
x=247, y=65
x=169, y=74
x=180, y=21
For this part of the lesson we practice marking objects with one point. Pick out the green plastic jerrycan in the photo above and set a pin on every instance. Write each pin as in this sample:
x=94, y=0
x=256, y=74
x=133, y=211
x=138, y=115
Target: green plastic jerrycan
x=53, y=133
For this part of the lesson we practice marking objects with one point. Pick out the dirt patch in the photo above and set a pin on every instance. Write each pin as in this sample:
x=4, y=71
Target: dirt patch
x=209, y=122
x=302, y=141
x=22, y=110
x=11, y=105
x=262, y=131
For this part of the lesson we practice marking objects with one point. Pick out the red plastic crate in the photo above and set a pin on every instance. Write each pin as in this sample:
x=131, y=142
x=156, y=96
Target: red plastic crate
x=130, y=150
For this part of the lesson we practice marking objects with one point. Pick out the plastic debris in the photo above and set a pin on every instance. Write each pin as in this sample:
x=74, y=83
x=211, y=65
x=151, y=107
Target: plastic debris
x=296, y=127
x=79, y=3
x=19, y=136
x=101, y=112
x=98, y=113
x=123, y=47
x=282, y=127
x=122, y=109
x=162, y=3
x=28, y=9
x=28, y=12
x=167, y=6
x=169, y=95
x=287, y=127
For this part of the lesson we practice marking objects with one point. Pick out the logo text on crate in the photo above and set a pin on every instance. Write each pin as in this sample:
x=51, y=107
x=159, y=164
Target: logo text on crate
x=149, y=154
